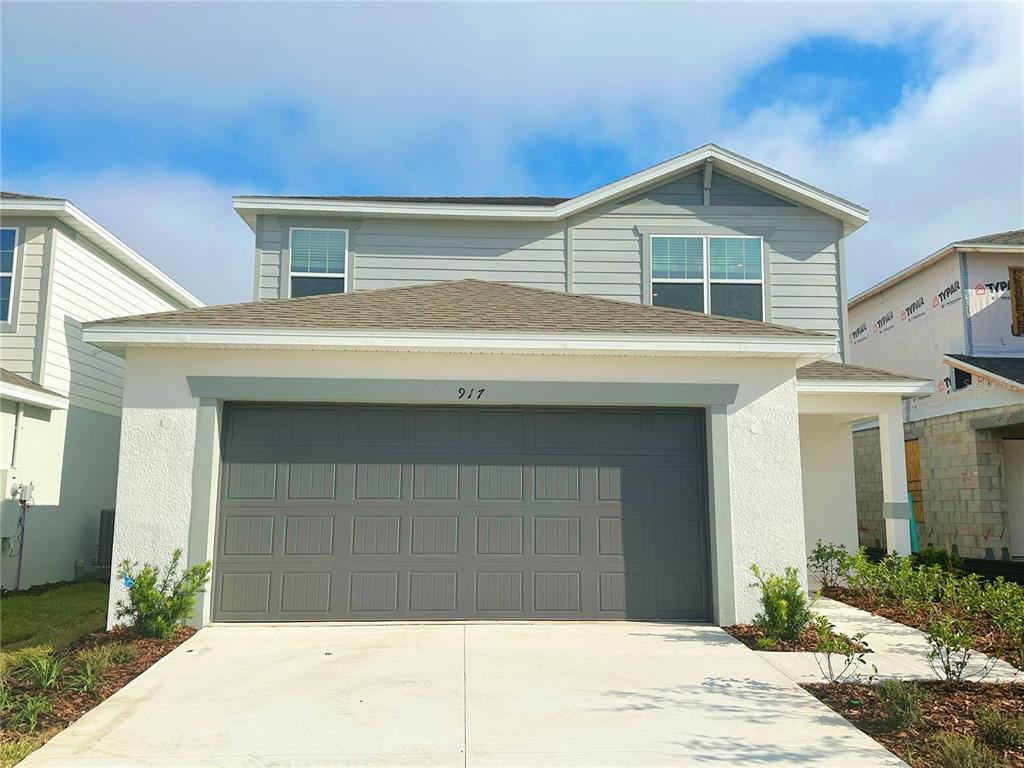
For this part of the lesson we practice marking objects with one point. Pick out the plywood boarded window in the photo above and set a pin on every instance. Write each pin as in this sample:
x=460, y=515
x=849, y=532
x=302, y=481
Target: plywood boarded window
x=1017, y=300
x=912, y=452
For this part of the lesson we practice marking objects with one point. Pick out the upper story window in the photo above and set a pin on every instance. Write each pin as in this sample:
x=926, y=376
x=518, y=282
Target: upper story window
x=319, y=261
x=8, y=244
x=716, y=275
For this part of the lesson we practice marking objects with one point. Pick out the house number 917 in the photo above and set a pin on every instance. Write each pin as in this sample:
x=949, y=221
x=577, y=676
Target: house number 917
x=470, y=394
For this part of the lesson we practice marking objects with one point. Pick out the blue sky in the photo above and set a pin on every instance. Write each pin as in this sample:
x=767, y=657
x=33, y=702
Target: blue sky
x=150, y=116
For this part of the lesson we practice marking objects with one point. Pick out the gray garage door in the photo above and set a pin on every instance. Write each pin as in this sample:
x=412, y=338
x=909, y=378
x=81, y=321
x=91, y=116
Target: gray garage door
x=368, y=512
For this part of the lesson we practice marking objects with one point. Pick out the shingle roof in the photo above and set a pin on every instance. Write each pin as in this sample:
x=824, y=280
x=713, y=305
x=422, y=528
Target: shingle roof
x=463, y=305
x=1013, y=237
x=453, y=200
x=1011, y=368
x=23, y=196
x=826, y=370
x=7, y=377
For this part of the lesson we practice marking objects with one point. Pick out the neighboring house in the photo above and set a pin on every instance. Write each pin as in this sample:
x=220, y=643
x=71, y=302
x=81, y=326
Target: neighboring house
x=474, y=410
x=956, y=317
x=60, y=398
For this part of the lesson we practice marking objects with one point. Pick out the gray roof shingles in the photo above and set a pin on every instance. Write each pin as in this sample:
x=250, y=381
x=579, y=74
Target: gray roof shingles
x=9, y=377
x=449, y=200
x=827, y=370
x=463, y=305
x=1013, y=237
x=1011, y=368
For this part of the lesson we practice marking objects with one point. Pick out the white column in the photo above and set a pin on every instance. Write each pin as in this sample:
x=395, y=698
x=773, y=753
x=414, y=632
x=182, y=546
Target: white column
x=895, y=508
x=204, y=498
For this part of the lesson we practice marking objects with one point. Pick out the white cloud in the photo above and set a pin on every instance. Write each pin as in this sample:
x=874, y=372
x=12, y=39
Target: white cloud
x=427, y=98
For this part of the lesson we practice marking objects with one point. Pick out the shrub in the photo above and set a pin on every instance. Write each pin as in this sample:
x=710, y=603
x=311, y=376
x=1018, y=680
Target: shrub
x=765, y=643
x=785, y=611
x=27, y=712
x=86, y=678
x=963, y=752
x=97, y=658
x=157, y=606
x=44, y=669
x=901, y=702
x=933, y=556
x=1004, y=602
x=121, y=653
x=951, y=649
x=829, y=563
x=999, y=729
x=865, y=577
x=837, y=655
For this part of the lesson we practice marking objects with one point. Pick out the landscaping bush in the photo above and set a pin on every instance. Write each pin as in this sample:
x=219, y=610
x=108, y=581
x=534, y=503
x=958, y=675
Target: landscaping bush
x=121, y=653
x=947, y=561
x=901, y=702
x=838, y=656
x=829, y=563
x=86, y=679
x=1004, y=602
x=98, y=658
x=27, y=711
x=785, y=611
x=44, y=669
x=866, y=577
x=158, y=606
x=963, y=752
x=951, y=649
x=999, y=729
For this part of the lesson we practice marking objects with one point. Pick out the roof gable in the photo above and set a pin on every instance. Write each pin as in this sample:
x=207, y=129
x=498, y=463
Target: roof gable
x=735, y=166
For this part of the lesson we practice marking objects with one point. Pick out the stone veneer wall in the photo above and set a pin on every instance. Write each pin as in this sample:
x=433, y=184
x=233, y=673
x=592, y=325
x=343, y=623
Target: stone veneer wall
x=962, y=484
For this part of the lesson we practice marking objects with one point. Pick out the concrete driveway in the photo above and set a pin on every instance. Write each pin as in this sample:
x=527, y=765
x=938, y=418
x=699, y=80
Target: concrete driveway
x=541, y=694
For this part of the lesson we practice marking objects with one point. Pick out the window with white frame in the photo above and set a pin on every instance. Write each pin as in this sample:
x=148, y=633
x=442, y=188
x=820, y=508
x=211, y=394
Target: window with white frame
x=319, y=261
x=8, y=245
x=716, y=275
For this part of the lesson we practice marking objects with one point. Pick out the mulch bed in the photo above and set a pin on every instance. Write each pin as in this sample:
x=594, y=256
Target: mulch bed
x=66, y=705
x=749, y=634
x=944, y=711
x=988, y=638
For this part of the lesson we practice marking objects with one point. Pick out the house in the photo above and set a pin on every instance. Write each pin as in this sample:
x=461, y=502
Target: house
x=956, y=317
x=60, y=397
x=601, y=407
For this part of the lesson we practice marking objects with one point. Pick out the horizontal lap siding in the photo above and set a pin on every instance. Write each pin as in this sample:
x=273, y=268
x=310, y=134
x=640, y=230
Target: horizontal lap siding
x=386, y=254
x=804, y=288
x=88, y=285
x=17, y=351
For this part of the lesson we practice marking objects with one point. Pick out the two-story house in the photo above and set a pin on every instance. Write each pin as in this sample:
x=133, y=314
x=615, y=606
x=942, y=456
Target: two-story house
x=604, y=407
x=956, y=317
x=60, y=397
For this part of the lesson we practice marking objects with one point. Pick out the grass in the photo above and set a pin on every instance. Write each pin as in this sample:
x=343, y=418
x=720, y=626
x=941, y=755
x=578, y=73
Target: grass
x=56, y=617
x=13, y=751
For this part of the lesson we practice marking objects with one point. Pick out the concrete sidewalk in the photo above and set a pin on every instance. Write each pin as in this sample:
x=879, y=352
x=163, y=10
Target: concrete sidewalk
x=898, y=651
x=501, y=694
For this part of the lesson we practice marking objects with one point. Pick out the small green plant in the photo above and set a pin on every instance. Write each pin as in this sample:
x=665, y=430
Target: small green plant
x=44, y=669
x=85, y=679
x=1000, y=729
x=27, y=711
x=829, y=563
x=97, y=657
x=121, y=653
x=766, y=643
x=933, y=556
x=785, y=611
x=865, y=577
x=157, y=605
x=963, y=752
x=901, y=702
x=951, y=648
x=839, y=657
x=6, y=701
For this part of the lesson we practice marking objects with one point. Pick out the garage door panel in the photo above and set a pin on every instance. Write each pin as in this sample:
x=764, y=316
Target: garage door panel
x=460, y=513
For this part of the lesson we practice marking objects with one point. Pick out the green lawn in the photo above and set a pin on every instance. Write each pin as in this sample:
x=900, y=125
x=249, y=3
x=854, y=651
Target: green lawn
x=56, y=617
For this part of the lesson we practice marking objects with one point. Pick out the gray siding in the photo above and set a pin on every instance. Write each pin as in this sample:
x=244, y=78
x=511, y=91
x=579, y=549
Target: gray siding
x=605, y=244
x=19, y=349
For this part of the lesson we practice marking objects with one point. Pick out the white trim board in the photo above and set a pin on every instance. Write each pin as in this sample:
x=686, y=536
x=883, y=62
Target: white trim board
x=47, y=400
x=985, y=374
x=742, y=168
x=116, y=338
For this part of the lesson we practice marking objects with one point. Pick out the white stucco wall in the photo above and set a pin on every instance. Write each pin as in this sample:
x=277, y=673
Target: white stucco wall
x=155, y=490
x=830, y=503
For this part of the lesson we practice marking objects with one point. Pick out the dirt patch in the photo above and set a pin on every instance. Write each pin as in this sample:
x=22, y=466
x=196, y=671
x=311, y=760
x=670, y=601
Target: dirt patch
x=751, y=635
x=988, y=638
x=943, y=711
x=67, y=705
